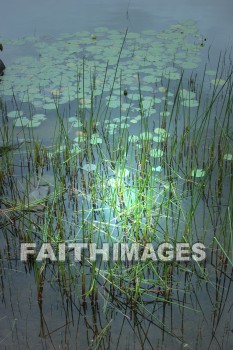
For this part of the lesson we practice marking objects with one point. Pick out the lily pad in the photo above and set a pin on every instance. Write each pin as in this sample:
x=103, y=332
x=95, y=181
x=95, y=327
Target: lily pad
x=34, y=123
x=38, y=117
x=75, y=121
x=228, y=156
x=161, y=131
x=217, y=82
x=186, y=94
x=89, y=167
x=15, y=114
x=158, y=169
x=165, y=114
x=95, y=139
x=198, y=173
x=159, y=138
x=156, y=153
x=190, y=103
x=133, y=138
x=123, y=173
x=22, y=121
x=146, y=136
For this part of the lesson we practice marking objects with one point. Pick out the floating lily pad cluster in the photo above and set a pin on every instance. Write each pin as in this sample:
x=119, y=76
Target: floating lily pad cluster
x=72, y=67
x=21, y=120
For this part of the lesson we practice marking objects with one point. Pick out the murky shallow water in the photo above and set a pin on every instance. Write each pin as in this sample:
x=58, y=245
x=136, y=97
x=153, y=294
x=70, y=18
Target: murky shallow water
x=113, y=318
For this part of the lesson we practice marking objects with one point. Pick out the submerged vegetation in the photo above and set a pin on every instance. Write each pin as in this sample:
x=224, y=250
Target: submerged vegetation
x=115, y=137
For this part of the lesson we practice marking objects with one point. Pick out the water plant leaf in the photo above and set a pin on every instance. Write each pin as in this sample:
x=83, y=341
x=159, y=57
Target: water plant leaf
x=198, y=173
x=122, y=173
x=15, y=114
x=81, y=137
x=218, y=82
x=95, y=139
x=22, y=121
x=228, y=156
x=133, y=138
x=190, y=103
x=89, y=167
x=186, y=94
x=161, y=131
x=211, y=72
x=146, y=136
x=165, y=114
x=75, y=149
x=159, y=138
x=75, y=122
x=33, y=123
x=156, y=153
x=38, y=117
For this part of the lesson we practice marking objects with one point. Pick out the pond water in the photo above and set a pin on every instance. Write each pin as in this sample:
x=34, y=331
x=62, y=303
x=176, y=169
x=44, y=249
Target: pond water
x=116, y=127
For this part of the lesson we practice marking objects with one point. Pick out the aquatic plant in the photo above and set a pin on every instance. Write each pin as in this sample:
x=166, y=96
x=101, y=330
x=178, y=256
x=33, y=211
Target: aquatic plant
x=98, y=165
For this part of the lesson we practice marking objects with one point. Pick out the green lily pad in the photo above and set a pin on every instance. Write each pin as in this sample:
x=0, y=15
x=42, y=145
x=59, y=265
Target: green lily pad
x=198, y=173
x=217, y=82
x=95, y=139
x=228, y=156
x=158, y=169
x=80, y=138
x=146, y=136
x=22, y=121
x=159, y=138
x=161, y=132
x=49, y=106
x=190, y=103
x=211, y=72
x=156, y=153
x=134, y=121
x=186, y=94
x=15, y=114
x=165, y=114
x=123, y=173
x=34, y=123
x=38, y=117
x=89, y=167
x=133, y=138
x=75, y=122
x=75, y=149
